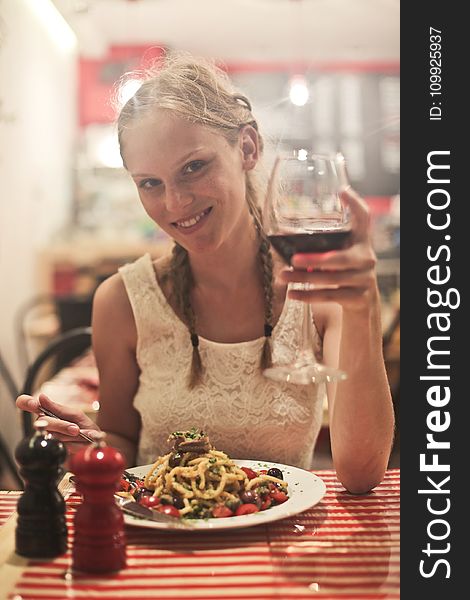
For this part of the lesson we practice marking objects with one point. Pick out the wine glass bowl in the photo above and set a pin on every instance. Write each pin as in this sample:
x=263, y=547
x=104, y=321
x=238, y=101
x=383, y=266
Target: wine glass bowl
x=303, y=213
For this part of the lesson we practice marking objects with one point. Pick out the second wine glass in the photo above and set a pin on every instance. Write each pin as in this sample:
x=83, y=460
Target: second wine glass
x=303, y=213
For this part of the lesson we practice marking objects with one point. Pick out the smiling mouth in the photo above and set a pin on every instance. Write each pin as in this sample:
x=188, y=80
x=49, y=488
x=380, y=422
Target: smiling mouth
x=191, y=221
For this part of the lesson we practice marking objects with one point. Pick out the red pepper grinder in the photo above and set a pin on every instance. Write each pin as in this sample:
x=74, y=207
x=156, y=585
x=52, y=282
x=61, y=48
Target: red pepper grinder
x=99, y=544
x=41, y=531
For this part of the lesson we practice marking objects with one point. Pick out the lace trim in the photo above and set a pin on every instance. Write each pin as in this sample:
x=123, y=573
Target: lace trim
x=244, y=413
x=141, y=275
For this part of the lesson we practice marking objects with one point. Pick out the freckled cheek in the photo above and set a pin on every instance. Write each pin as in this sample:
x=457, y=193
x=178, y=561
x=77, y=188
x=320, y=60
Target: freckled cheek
x=153, y=209
x=221, y=190
x=210, y=188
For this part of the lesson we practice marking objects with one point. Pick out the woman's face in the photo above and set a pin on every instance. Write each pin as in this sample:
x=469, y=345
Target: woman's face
x=190, y=179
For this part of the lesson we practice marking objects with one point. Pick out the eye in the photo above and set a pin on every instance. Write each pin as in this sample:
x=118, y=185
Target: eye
x=149, y=184
x=194, y=166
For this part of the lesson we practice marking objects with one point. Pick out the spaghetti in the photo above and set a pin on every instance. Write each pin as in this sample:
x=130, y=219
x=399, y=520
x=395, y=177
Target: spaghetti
x=202, y=482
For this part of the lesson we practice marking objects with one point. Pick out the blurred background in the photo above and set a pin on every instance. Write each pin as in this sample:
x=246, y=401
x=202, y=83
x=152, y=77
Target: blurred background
x=322, y=75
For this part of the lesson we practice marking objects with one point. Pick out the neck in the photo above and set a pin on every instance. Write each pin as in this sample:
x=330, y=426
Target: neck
x=219, y=270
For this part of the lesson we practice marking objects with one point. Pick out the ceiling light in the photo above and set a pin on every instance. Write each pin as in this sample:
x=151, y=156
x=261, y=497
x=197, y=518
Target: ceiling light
x=298, y=90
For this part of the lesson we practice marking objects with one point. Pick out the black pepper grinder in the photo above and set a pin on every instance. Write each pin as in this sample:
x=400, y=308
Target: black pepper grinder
x=41, y=531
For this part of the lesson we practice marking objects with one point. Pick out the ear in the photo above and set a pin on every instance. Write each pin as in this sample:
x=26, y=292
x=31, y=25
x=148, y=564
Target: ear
x=249, y=146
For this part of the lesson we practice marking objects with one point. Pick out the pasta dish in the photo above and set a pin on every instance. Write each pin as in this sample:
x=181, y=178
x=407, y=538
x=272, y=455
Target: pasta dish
x=194, y=480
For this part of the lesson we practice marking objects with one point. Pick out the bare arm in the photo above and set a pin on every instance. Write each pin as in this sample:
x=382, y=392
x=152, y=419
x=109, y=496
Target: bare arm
x=114, y=344
x=360, y=408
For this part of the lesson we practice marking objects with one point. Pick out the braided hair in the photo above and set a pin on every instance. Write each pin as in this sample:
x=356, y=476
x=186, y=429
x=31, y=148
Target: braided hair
x=201, y=92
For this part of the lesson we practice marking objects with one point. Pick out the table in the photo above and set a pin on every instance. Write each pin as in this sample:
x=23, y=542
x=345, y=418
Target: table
x=344, y=548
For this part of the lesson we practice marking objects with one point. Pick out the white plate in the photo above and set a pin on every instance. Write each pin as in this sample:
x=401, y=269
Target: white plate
x=304, y=488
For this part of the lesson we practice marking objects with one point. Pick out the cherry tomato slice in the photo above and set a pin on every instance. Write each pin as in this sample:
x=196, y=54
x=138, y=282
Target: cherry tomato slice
x=124, y=485
x=266, y=503
x=246, y=509
x=278, y=496
x=149, y=501
x=221, y=511
x=249, y=472
x=167, y=509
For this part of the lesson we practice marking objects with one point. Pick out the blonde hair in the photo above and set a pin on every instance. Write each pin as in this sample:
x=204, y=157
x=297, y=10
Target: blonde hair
x=198, y=90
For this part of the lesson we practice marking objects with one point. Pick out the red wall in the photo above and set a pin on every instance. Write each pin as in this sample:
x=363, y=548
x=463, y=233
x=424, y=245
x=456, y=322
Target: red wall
x=97, y=79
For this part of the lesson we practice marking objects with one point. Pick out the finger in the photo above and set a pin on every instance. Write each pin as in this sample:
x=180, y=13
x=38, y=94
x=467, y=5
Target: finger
x=69, y=432
x=93, y=433
x=339, y=295
x=65, y=439
x=348, y=278
x=360, y=214
x=28, y=403
x=59, y=409
x=358, y=257
x=315, y=260
x=66, y=413
x=57, y=426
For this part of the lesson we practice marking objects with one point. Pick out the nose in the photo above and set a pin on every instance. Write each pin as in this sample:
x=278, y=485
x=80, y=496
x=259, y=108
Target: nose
x=176, y=198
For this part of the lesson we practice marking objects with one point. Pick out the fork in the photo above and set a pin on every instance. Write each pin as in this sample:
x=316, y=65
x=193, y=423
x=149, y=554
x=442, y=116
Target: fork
x=135, y=509
x=49, y=413
x=84, y=436
x=128, y=506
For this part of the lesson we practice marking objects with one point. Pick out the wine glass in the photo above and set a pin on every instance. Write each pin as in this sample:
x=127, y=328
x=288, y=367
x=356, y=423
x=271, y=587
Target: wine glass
x=303, y=212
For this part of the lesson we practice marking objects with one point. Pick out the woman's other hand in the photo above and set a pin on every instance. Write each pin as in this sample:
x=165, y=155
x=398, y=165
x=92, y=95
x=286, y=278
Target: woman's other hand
x=349, y=274
x=66, y=430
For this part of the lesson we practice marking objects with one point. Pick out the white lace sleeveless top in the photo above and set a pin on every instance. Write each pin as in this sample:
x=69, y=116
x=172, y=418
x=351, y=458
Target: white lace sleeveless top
x=244, y=413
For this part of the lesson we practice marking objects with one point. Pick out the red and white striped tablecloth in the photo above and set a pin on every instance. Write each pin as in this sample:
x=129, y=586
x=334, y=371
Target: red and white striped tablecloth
x=344, y=548
x=8, y=502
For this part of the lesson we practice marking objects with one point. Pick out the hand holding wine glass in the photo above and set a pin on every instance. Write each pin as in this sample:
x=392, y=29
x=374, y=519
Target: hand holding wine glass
x=303, y=213
x=345, y=276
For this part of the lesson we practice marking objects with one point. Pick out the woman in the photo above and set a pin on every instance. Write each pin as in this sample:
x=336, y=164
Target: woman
x=182, y=341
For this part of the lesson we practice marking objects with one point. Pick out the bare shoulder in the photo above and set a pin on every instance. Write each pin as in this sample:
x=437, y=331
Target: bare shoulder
x=111, y=295
x=112, y=309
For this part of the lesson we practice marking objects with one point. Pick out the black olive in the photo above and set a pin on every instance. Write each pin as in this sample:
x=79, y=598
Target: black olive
x=274, y=472
x=250, y=497
x=175, y=459
x=178, y=502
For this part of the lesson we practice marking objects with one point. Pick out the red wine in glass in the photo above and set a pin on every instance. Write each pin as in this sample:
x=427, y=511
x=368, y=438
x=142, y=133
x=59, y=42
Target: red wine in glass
x=288, y=244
